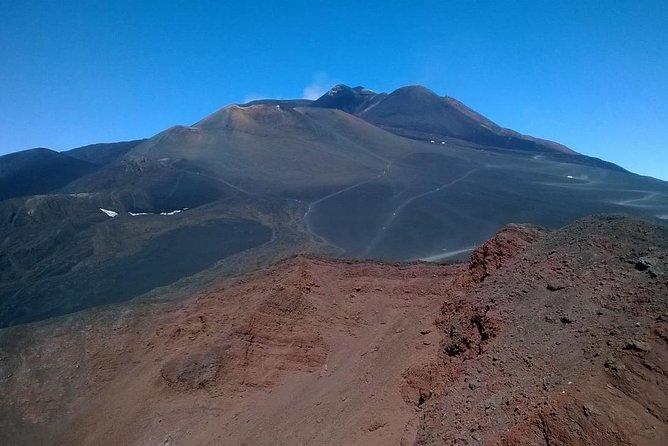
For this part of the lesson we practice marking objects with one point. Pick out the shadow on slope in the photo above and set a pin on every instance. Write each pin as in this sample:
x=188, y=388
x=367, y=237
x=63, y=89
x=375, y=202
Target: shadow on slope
x=38, y=171
x=163, y=260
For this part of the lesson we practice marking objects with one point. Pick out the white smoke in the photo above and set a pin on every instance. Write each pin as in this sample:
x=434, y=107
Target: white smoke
x=320, y=85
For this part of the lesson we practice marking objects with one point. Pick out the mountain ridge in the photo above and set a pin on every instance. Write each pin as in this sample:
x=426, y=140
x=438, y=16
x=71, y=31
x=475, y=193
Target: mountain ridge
x=418, y=112
x=454, y=123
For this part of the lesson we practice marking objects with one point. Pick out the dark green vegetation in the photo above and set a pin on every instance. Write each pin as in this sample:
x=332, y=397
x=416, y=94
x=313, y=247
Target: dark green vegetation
x=401, y=176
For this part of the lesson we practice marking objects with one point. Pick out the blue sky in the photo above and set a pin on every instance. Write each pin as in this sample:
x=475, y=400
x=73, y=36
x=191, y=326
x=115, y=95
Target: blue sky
x=589, y=74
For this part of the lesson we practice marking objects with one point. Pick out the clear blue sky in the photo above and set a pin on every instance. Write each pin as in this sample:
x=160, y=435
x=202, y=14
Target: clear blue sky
x=590, y=74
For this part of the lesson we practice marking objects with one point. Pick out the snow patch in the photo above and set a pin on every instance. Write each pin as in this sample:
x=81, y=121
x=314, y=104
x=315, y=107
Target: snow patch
x=174, y=212
x=110, y=213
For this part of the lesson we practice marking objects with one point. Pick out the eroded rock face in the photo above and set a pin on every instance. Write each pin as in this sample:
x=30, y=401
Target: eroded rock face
x=501, y=249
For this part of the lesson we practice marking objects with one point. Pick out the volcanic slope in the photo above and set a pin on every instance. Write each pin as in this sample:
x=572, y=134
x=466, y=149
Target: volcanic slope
x=371, y=193
x=38, y=171
x=283, y=177
x=542, y=338
x=102, y=153
x=419, y=113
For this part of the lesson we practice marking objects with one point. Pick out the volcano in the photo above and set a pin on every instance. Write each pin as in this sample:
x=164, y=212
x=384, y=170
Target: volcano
x=401, y=176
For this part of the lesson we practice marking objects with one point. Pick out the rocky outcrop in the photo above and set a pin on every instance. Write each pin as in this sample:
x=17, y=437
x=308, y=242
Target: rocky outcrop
x=501, y=250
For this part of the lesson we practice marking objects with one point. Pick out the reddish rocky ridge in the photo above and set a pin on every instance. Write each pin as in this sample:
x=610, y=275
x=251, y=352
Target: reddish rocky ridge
x=572, y=349
x=542, y=338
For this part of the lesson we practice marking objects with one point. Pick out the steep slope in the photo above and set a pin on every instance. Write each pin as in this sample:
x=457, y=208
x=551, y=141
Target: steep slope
x=417, y=112
x=351, y=100
x=102, y=153
x=543, y=338
x=569, y=345
x=38, y=171
x=268, y=148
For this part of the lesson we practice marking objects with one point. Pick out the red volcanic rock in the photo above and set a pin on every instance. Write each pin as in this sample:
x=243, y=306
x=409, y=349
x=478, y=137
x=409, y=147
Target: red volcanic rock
x=501, y=249
x=419, y=354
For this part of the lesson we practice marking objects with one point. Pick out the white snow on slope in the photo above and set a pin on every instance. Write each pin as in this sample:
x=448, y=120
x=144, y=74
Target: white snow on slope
x=109, y=213
x=174, y=212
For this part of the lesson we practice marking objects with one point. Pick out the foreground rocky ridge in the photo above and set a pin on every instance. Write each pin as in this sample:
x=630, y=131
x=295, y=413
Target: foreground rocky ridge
x=577, y=350
x=542, y=338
